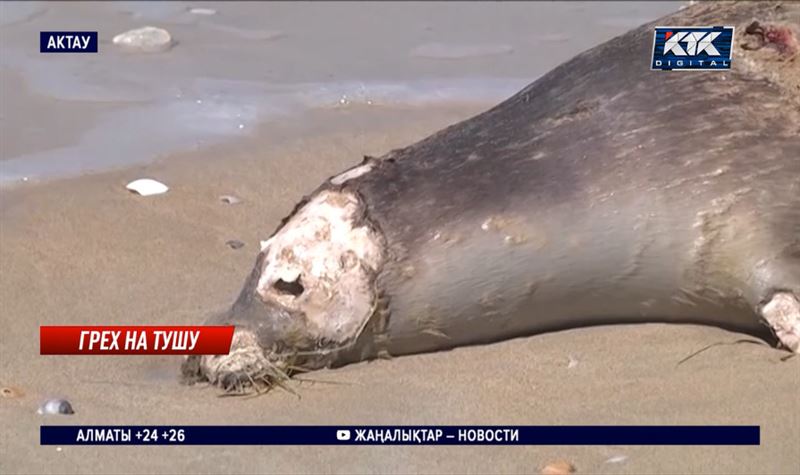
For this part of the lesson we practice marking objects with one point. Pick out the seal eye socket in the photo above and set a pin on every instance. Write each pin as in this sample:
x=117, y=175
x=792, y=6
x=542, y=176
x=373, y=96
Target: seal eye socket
x=293, y=288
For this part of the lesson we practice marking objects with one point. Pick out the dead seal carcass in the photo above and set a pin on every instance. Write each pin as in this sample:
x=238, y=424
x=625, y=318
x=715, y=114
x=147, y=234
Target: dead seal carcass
x=603, y=192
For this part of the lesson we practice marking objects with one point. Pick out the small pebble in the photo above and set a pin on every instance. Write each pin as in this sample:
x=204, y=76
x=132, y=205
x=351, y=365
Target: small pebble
x=56, y=406
x=11, y=392
x=617, y=459
x=147, y=40
x=230, y=199
x=572, y=362
x=560, y=467
x=234, y=244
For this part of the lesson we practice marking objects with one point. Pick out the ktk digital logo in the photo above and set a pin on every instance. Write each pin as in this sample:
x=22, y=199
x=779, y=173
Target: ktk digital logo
x=692, y=48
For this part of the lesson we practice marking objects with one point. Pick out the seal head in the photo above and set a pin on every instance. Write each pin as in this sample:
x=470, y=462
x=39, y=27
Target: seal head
x=311, y=293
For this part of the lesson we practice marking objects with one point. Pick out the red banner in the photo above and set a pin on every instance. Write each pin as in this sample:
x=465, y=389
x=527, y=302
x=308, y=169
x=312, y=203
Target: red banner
x=135, y=340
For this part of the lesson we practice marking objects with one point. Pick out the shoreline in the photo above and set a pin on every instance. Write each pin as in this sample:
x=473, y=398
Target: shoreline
x=279, y=134
x=96, y=151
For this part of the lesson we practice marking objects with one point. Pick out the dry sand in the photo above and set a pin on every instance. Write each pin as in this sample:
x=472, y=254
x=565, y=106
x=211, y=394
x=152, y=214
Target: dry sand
x=85, y=251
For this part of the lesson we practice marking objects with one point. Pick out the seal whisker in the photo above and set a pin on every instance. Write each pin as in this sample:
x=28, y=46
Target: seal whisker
x=322, y=381
x=253, y=383
x=720, y=343
x=297, y=369
x=281, y=384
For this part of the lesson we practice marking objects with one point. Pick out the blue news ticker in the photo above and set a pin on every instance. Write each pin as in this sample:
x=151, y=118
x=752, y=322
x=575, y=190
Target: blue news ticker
x=400, y=435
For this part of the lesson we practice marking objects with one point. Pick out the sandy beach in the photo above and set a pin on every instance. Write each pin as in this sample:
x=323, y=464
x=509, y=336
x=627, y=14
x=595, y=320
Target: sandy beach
x=86, y=251
x=82, y=250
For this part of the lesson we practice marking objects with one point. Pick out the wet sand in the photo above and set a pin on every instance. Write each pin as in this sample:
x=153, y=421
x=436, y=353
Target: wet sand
x=254, y=62
x=85, y=251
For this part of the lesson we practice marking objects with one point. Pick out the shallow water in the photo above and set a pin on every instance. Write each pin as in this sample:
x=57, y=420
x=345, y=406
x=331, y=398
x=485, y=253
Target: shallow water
x=252, y=62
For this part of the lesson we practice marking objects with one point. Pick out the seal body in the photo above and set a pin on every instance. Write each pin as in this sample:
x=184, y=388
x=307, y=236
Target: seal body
x=603, y=192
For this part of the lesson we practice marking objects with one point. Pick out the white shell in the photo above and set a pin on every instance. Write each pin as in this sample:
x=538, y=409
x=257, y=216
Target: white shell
x=56, y=406
x=148, y=39
x=230, y=199
x=147, y=187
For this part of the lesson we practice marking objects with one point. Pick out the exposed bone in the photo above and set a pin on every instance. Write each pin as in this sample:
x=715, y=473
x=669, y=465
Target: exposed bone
x=330, y=260
x=782, y=313
x=352, y=173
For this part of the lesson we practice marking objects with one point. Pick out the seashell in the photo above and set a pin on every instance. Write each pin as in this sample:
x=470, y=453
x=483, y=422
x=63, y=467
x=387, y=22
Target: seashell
x=56, y=406
x=234, y=244
x=230, y=199
x=148, y=39
x=147, y=187
x=559, y=467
